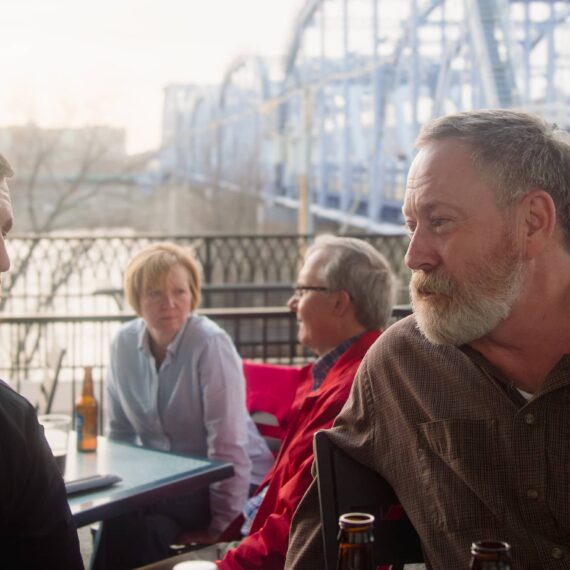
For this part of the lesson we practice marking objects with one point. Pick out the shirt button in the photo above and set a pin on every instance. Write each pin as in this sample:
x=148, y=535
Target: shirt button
x=529, y=419
x=557, y=553
x=532, y=493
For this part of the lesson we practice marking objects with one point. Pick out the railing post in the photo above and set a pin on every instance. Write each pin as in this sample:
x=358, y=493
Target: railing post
x=208, y=263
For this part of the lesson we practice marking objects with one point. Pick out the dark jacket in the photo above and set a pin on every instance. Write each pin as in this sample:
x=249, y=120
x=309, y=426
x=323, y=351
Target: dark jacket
x=36, y=526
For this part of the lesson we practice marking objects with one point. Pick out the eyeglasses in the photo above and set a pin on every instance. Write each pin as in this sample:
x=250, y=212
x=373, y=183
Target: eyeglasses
x=299, y=290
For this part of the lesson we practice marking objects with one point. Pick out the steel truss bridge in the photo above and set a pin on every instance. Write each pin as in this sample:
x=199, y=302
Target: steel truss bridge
x=330, y=130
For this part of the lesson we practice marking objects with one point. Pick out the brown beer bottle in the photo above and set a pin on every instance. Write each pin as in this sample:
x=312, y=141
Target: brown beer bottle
x=356, y=542
x=86, y=411
x=490, y=555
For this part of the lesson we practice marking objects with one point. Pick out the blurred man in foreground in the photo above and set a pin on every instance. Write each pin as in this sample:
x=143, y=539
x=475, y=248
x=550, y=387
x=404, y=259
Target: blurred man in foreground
x=465, y=407
x=36, y=527
x=343, y=299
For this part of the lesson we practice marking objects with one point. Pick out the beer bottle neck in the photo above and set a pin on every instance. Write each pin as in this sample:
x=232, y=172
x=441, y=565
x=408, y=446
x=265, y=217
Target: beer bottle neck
x=356, y=537
x=87, y=389
x=490, y=554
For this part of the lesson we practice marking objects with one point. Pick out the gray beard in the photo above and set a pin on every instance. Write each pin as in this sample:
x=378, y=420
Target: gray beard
x=471, y=312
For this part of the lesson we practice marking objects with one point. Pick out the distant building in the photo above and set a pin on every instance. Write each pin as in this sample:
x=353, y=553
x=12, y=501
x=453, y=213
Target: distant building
x=63, y=152
x=73, y=178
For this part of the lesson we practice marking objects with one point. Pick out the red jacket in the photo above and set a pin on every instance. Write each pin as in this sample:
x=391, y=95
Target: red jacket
x=266, y=545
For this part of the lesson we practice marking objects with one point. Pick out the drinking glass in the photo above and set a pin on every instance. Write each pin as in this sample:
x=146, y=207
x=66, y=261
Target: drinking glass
x=56, y=430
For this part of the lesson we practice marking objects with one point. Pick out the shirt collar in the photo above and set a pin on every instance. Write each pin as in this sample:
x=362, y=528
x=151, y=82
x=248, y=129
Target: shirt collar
x=172, y=348
x=324, y=364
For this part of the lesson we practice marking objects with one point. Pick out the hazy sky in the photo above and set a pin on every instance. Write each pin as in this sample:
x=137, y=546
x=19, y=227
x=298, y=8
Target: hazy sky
x=106, y=61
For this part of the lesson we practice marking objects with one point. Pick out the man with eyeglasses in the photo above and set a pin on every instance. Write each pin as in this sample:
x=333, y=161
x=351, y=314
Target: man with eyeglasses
x=343, y=299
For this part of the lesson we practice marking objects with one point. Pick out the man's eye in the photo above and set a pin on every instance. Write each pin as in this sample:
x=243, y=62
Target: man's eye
x=438, y=222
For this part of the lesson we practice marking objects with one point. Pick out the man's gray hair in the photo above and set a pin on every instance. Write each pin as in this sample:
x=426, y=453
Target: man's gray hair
x=354, y=266
x=514, y=152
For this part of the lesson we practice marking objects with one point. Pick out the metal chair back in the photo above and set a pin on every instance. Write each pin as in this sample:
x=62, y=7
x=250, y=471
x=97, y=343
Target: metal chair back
x=348, y=486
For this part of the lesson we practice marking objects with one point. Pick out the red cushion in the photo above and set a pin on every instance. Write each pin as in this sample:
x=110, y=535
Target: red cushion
x=271, y=388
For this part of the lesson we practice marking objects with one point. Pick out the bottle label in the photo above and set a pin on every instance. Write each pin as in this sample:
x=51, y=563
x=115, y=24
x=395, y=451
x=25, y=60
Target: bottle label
x=79, y=427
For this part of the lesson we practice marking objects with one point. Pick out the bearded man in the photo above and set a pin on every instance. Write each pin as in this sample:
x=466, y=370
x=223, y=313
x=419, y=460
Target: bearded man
x=464, y=407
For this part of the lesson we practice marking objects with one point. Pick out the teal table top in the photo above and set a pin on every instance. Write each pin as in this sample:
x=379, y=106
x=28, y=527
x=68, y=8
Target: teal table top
x=146, y=475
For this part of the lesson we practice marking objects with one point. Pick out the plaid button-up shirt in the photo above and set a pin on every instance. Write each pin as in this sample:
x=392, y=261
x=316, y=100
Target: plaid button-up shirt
x=327, y=361
x=467, y=455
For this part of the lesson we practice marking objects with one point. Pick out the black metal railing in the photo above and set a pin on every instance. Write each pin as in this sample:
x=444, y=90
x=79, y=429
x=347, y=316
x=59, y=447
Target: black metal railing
x=261, y=333
x=224, y=295
x=60, y=274
x=66, y=290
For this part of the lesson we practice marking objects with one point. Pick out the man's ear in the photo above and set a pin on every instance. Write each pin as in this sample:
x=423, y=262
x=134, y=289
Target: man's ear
x=539, y=221
x=342, y=303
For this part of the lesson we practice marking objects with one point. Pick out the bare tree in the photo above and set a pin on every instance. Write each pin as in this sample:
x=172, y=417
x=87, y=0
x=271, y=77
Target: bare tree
x=62, y=174
x=64, y=179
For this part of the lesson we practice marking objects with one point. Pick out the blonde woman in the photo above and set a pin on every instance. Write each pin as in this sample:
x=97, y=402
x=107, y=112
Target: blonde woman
x=175, y=383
